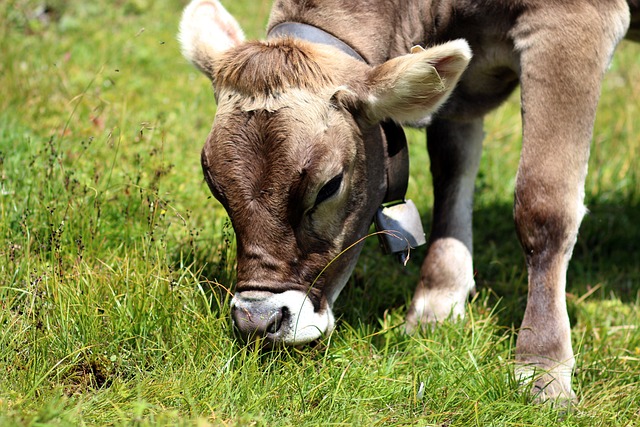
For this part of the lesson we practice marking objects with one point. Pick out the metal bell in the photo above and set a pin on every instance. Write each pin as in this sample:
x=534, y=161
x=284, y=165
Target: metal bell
x=400, y=228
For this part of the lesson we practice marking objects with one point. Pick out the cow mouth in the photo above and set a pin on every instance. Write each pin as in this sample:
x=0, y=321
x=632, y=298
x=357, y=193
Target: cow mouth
x=287, y=317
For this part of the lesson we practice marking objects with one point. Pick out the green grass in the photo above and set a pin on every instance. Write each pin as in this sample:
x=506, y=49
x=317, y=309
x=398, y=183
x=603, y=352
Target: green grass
x=115, y=262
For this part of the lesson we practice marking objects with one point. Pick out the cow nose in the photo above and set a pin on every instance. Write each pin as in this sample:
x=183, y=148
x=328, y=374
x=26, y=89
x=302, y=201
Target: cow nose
x=256, y=322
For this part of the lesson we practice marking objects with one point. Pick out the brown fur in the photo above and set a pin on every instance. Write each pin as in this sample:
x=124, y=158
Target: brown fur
x=272, y=67
x=293, y=116
x=558, y=51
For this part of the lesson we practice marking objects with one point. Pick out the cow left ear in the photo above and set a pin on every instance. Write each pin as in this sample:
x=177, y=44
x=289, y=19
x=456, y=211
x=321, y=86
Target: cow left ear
x=409, y=87
x=207, y=30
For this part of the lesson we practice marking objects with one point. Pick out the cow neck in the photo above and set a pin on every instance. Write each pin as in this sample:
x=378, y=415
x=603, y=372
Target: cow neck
x=397, y=153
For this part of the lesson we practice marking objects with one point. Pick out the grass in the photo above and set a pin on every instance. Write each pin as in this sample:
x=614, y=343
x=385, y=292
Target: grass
x=115, y=262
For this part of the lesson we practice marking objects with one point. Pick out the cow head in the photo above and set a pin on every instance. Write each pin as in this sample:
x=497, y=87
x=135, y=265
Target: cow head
x=296, y=157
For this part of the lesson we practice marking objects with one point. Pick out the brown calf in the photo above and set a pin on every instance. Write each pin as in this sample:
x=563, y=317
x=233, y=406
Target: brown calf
x=297, y=158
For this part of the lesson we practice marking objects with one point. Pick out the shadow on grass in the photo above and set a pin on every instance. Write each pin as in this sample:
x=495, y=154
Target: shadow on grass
x=605, y=258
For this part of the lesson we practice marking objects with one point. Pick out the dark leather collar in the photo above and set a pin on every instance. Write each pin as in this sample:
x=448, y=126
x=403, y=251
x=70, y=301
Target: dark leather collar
x=397, y=158
x=312, y=34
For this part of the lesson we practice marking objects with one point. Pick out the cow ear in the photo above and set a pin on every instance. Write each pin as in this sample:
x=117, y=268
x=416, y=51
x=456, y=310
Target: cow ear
x=206, y=31
x=409, y=87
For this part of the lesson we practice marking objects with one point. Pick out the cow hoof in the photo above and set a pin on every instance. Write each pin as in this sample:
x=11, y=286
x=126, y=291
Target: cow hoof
x=446, y=282
x=548, y=386
x=430, y=307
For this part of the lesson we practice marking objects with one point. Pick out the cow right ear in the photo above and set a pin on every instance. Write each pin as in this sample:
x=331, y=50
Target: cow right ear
x=207, y=30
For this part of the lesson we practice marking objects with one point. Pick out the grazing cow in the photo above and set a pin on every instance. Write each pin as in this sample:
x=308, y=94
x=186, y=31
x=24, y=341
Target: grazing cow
x=298, y=159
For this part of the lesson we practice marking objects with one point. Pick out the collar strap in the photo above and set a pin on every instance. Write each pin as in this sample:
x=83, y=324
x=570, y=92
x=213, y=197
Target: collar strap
x=312, y=34
x=397, y=158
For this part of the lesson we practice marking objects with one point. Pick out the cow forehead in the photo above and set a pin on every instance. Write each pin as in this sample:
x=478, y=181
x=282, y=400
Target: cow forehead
x=296, y=126
x=314, y=103
x=297, y=138
x=275, y=104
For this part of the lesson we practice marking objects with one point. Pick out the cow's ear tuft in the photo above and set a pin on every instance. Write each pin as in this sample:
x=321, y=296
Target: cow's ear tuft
x=412, y=86
x=206, y=31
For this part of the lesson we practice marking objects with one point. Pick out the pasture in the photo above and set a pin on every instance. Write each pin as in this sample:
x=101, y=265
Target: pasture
x=116, y=263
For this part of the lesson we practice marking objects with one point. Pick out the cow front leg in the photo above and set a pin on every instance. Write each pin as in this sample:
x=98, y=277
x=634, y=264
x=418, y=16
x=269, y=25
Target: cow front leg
x=447, y=271
x=563, y=55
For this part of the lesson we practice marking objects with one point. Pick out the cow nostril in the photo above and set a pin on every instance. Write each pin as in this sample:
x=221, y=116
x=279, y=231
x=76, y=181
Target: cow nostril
x=276, y=319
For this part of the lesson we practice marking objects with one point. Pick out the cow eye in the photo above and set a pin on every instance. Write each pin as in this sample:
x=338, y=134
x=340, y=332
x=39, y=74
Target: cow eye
x=329, y=189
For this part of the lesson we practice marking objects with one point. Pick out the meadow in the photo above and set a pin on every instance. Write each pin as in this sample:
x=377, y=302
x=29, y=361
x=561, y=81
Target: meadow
x=116, y=264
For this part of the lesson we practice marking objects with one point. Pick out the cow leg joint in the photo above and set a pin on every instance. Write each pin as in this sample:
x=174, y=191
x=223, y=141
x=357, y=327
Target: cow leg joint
x=560, y=76
x=447, y=271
